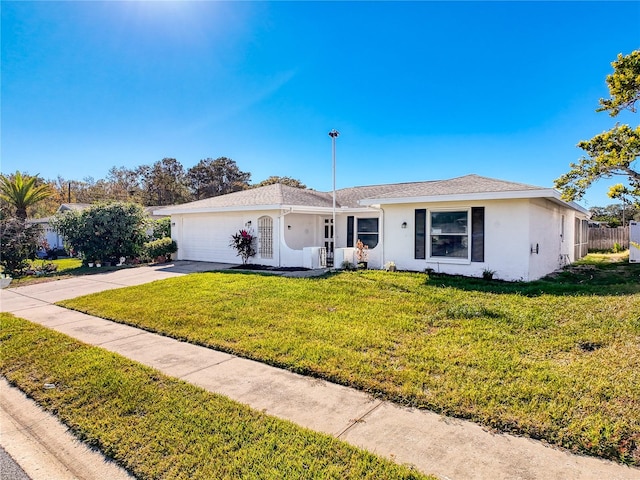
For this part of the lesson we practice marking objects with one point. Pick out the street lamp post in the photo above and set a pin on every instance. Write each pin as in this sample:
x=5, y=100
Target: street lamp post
x=333, y=134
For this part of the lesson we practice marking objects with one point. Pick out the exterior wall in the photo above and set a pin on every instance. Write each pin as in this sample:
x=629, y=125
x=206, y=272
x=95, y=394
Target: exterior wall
x=551, y=237
x=375, y=260
x=47, y=233
x=301, y=231
x=506, y=239
x=53, y=239
x=524, y=239
x=206, y=236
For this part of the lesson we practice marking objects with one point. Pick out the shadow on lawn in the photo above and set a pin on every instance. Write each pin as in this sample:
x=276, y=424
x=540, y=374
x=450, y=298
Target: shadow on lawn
x=575, y=280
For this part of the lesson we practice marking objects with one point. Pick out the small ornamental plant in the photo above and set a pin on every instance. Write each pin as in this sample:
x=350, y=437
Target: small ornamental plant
x=243, y=243
x=362, y=254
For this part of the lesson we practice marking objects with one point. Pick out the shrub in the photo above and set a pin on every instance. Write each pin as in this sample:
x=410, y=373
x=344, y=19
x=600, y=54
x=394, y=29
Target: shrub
x=103, y=231
x=42, y=268
x=347, y=265
x=488, y=274
x=18, y=241
x=161, y=228
x=243, y=243
x=162, y=247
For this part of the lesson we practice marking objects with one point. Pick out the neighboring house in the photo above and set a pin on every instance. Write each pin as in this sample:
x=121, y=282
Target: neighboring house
x=464, y=226
x=55, y=241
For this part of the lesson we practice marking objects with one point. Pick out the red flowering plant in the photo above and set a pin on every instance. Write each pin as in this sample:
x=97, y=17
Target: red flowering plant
x=243, y=243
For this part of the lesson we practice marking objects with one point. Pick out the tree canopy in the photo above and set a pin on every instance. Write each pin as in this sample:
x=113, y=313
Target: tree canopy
x=624, y=85
x=22, y=191
x=292, y=182
x=615, y=152
x=165, y=182
x=210, y=178
x=615, y=214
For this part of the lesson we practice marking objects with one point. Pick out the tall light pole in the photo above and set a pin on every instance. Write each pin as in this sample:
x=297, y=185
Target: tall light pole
x=333, y=134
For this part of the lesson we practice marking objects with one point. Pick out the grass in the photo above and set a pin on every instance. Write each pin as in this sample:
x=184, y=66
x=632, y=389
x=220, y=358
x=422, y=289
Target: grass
x=67, y=267
x=162, y=428
x=557, y=359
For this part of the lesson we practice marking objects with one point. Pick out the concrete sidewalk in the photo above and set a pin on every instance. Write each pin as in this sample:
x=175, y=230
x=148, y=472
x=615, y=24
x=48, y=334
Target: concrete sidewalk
x=449, y=448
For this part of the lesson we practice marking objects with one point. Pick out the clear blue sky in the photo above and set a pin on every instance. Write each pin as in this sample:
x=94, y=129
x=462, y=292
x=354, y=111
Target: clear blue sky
x=418, y=90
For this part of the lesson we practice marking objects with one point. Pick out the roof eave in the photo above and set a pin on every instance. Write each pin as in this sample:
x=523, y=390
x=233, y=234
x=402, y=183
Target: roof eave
x=548, y=193
x=235, y=208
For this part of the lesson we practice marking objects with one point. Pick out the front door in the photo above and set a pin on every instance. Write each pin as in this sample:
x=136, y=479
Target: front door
x=327, y=240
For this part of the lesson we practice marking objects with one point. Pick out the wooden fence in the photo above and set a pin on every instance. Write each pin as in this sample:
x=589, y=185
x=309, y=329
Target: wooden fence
x=605, y=238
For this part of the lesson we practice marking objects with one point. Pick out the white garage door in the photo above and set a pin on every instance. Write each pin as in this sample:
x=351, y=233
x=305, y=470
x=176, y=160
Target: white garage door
x=206, y=238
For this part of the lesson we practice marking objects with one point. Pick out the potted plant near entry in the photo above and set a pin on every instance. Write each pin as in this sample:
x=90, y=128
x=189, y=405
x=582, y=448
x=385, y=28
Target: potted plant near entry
x=362, y=254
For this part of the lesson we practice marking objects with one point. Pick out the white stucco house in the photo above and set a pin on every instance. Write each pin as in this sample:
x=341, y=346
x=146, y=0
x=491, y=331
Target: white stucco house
x=464, y=225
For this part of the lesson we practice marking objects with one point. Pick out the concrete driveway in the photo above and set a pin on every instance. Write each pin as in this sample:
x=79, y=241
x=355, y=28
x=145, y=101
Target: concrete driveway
x=39, y=294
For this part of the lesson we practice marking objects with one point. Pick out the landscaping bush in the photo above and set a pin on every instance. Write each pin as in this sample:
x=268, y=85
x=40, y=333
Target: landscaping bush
x=104, y=231
x=243, y=243
x=162, y=247
x=161, y=228
x=18, y=241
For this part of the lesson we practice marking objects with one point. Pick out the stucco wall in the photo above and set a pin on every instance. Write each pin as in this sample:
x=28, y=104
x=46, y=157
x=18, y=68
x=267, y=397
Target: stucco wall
x=206, y=236
x=506, y=239
x=545, y=223
x=301, y=231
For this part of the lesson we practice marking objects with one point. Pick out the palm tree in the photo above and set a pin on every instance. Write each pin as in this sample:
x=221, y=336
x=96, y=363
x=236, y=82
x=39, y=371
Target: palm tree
x=22, y=192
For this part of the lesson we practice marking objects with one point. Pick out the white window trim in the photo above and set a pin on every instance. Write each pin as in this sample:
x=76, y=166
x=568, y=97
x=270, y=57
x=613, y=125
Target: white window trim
x=357, y=233
x=452, y=260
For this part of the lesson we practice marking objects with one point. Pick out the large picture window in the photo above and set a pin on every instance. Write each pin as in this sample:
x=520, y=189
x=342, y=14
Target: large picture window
x=368, y=231
x=449, y=234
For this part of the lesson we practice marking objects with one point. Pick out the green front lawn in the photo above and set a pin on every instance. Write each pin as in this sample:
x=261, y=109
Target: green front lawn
x=557, y=359
x=66, y=268
x=162, y=428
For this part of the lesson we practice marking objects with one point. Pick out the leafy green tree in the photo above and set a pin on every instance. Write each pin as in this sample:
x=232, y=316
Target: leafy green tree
x=104, y=231
x=163, y=183
x=611, y=153
x=624, y=85
x=124, y=184
x=615, y=214
x=22, y=191
x=210, y=178
x=291, y=182
x=18, y=242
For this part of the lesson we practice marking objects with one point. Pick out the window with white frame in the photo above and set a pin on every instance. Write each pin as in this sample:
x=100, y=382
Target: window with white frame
x=265, y=237
x=368, y=231
x=449, y=234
